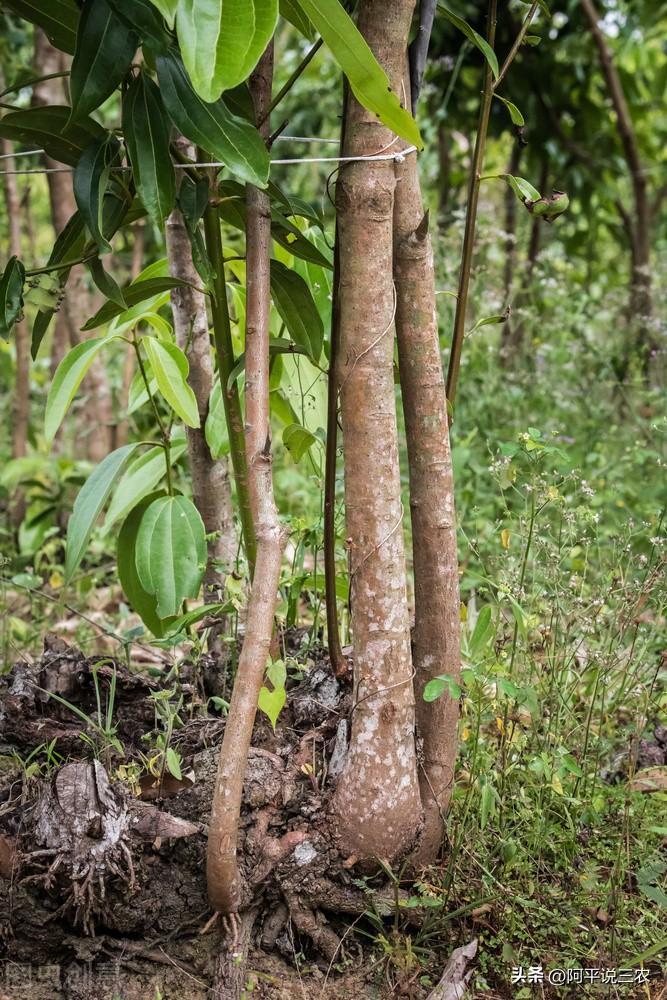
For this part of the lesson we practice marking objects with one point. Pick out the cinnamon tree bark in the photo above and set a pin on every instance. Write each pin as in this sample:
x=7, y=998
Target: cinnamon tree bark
x=641, y=305
x=225, y=886
x=211, y=487
x=377, y=806
x=436, y=636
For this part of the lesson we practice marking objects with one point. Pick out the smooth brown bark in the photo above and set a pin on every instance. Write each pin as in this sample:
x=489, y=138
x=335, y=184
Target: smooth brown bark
x=76, y=304
x=377, y=804
x=21, y=401
x=211, y=487
x=224, y=879
x=436, y=636
x=641, y=305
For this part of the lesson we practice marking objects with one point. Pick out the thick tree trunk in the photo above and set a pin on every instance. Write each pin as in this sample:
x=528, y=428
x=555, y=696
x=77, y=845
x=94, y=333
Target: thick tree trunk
x=436, y=636
x=21, y=402
x=210, y=477
x=641, y=305
x=224, y=879
x=377, y=804
x=76, y=306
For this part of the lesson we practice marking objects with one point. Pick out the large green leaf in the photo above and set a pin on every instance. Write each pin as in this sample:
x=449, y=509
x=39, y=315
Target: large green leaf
x=138, y=291
x=297, y=439
x=143, y=17
x=170, y=368
x=369, y=82
x=222, y=40
x=11, y=296
x=91, y=177
x=105, y=47
x=146, y=132
x=57, y=18
x=141, y=601
x=140, y=478
x=293, y=300
x=215, y=429
x=168, y=10
x=51, y=129
x=229, y=139
x=171, y=552
x=67, y=379
x=89, y=503
x=106, y=283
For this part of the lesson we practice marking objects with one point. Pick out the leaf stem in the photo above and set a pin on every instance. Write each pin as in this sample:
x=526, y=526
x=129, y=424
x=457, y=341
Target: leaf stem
x=164, y=431
x=287, y=86
x=31, y=83
x=471, y=218
x=516, y=45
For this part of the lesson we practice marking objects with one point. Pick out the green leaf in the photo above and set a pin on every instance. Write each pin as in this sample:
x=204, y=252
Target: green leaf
x=174, y=764
x=11, y=296
x=369, y=82
x=140, y=478
x=272, y=702
x=436, y=687
x=184, y=622
x=168, y=10
x=171, y=552
x=146, y=131
x=67, y=379
x=483, y=633
x=522, y=188
x=105, y=48
x=489, y=798
x=277, y=346
x=298, y=440
x=519, y=616
x=89, y=503
x=51, y=129
x=472, y=36
x=107, y=285
x=139, y=599
x=231, y=140
x=293, y=300
x=143, y=18
x=515, y=114
x=290, y=10
x=57, y=18
x=221, y=42
x=91, y=177
x=134, y=293
x=170, y=368
x=215, y=429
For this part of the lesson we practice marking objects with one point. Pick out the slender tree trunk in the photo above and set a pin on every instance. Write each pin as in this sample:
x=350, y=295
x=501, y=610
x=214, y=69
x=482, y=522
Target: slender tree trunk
x=641, y=304
x=436, y=636
x=377, y=805
x=210, y=477
x=510, y=241
x=121, y=429
x=21, y=402
x=76, y=306
x=224, y=879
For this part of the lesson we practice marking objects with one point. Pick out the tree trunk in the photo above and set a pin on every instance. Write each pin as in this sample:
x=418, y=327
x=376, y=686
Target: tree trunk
x=224, y=879
x=641, y=304
x=510, y=241
x=376, y=805
x=210, y=478
x=76, y=305
x=21, y=402
x=436, y=636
